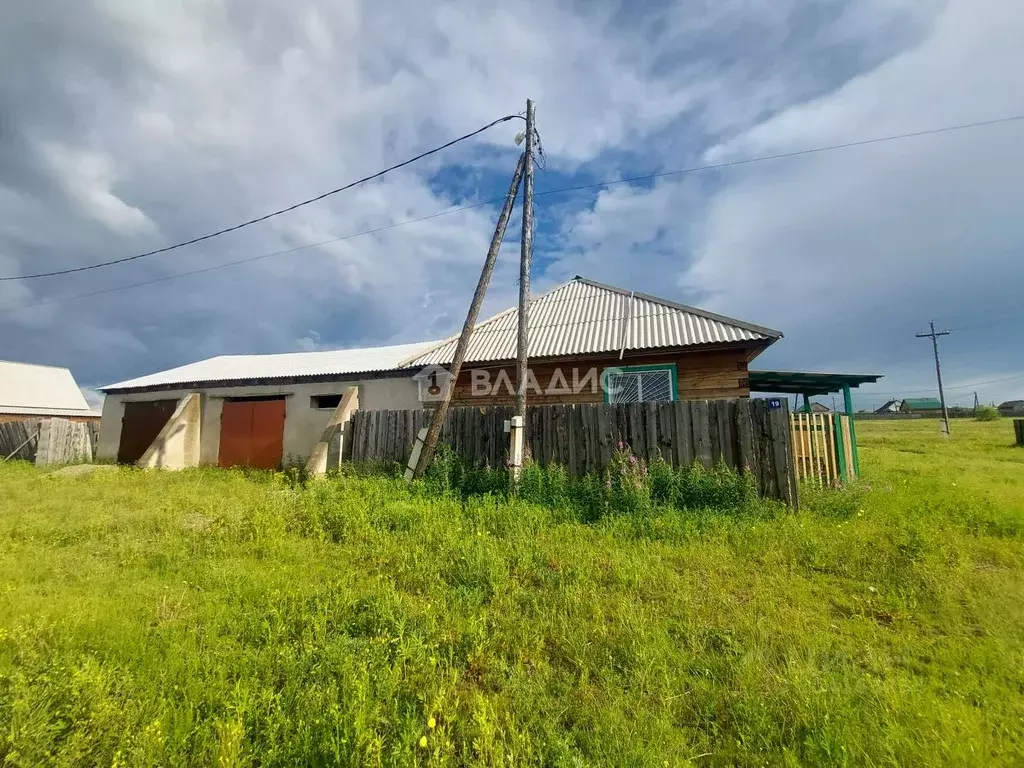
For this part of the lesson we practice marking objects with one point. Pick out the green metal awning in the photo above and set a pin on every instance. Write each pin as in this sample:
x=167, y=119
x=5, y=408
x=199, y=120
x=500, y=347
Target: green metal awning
x=803, y=383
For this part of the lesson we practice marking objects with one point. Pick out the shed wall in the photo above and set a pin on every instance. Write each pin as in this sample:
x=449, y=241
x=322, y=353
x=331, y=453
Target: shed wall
x=303, y=424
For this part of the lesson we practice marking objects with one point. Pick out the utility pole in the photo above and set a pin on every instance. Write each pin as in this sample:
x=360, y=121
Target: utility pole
x=518, y=422
x=418, y=462
x=934, y=336
x=975, y=403
x=525, y=253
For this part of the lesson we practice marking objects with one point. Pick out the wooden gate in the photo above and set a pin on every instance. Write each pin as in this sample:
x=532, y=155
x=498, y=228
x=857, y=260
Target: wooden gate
x=140, y=425
x=252, y=433
x=823, y=447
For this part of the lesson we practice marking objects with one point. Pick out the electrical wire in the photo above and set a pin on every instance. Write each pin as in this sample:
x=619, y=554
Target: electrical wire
x=936, y=388
x=562, y=190
x=258, y=219
x=246, y=260
x=784, y=155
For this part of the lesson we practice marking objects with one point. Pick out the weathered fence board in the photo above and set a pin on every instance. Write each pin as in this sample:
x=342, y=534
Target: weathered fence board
x=744, y=434
x=1018, y=431
x=18, y=439
x=47, y=441
x=62, y=441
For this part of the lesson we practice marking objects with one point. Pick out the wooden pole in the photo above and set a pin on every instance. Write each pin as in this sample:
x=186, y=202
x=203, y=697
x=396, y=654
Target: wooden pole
x=426, y=453
x=938, y=371
x=525, y=253
x=518, y=421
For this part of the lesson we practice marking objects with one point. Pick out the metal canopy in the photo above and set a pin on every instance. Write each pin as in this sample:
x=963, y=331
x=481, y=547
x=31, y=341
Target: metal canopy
x=803, y=383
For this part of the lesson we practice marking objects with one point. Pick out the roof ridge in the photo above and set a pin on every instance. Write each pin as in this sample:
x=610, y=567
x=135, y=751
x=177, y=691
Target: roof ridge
x=683, y=307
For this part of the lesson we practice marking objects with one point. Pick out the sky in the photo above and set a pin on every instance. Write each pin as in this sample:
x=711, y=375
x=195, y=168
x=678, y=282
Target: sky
x=128, y=125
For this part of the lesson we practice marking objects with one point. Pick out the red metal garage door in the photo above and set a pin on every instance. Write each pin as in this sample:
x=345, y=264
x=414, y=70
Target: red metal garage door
x=252, y=433
x=140, y=425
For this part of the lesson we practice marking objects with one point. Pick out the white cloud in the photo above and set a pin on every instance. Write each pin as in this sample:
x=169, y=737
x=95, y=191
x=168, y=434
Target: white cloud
x=164, y=121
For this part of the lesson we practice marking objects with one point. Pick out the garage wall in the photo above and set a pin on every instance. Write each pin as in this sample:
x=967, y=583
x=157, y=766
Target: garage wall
x=303, y=424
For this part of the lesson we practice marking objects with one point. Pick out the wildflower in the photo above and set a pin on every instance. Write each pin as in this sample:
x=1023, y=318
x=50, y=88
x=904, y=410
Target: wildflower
x=431, y=723
x=632, y=459
x=423, y=741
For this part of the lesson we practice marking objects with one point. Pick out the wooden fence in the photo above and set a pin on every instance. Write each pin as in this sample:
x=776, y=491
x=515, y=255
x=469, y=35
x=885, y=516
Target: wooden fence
x=823, y=447
x=47, y=441
x=1018, y=431
x=18, y=439
x=744, y=434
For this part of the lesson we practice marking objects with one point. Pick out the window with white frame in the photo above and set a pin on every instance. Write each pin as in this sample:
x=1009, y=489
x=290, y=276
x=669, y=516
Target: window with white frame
x=641, y=384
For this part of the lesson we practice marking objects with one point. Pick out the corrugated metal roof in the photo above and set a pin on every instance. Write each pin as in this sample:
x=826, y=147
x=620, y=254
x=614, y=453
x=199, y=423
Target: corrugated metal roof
x=584, y=317
x=287, y=365
x=577, y=318
x=34, y=387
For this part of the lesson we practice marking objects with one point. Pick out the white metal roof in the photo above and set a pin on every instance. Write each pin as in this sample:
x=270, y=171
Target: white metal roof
x=287, y=365
x=577, y=318
x=584, y=317
x=26, y=388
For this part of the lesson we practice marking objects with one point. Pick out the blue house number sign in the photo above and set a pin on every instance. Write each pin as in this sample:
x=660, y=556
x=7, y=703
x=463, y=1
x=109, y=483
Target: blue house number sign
x=774, y=403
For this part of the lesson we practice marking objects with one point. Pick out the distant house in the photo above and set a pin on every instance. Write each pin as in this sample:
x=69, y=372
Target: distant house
x=1012, y=408
x=925, y=406
x=893, y=406
x=30, y=391
x=820, y=408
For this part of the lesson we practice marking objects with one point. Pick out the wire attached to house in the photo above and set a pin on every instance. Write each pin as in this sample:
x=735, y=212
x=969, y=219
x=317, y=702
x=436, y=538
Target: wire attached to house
x=258, y=219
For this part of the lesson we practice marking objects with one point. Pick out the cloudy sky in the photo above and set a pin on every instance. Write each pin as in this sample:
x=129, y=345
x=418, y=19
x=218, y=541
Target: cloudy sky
x=126, y=125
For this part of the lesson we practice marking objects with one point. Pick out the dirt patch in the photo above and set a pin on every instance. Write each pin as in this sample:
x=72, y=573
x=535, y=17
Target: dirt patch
x=79, y=470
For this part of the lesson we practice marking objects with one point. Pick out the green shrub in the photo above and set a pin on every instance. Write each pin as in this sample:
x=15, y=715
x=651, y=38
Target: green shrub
x=986, y=413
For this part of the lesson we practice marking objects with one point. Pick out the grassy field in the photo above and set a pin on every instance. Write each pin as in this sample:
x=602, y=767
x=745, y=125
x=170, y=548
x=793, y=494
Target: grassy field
x=215, y=618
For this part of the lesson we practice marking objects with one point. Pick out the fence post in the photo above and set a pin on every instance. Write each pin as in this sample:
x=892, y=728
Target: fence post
x=1018, y=430
x=516, y=446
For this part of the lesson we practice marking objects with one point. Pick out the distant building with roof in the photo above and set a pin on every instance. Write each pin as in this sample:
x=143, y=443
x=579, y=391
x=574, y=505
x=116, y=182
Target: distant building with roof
x=924, y=406
x=30, y=391
x=1012, y=408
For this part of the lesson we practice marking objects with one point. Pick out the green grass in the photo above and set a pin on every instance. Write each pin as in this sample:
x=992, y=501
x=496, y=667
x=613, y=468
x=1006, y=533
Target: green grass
x=215, y=618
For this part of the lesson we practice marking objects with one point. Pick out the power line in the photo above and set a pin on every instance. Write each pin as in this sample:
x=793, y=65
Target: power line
x=562, y=190
x=257, y=220
x=796, y=153
x=932, y=389
x=988, y=324
x=246, y=260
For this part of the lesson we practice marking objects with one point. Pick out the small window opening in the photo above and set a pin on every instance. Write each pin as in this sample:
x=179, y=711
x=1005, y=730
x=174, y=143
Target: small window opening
x=324, y=402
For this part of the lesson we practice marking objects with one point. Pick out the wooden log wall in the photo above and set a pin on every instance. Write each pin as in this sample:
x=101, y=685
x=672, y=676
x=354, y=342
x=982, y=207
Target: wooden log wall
x=744, y=434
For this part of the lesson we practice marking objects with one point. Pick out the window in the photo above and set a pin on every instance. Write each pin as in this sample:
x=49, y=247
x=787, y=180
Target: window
x=324, y=402
x=640, y=384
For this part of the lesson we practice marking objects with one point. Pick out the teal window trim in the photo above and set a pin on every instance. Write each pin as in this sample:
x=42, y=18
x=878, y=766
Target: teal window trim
x=639, y=369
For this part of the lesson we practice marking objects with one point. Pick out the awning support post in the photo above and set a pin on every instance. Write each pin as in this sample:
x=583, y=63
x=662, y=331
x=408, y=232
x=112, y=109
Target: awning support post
x=848, y=403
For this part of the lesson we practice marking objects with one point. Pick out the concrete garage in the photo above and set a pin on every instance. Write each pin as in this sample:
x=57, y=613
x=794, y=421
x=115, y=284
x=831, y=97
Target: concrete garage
x=255, y=410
